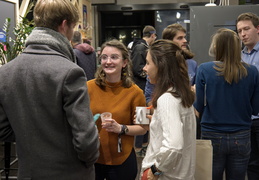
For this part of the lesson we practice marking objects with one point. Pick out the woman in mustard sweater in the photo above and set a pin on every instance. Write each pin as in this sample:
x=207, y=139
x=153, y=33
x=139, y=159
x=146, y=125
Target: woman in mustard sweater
x=114, y=91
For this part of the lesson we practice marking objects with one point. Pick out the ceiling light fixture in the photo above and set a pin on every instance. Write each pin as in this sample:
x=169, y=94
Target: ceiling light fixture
x=211, y=4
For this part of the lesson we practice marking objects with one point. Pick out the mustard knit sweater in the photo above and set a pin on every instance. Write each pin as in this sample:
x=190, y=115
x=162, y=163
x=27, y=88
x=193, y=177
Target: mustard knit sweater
x=121, y=102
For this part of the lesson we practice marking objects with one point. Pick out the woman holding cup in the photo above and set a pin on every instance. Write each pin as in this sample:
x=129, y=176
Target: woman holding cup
x=113, y=91
x=172, y=147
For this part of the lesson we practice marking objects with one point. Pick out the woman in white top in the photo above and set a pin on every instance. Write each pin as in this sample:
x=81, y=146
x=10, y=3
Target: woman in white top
x=172, y=149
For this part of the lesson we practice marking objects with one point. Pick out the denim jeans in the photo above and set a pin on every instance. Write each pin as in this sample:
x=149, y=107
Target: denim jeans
x=231, y=152
x=253, y=166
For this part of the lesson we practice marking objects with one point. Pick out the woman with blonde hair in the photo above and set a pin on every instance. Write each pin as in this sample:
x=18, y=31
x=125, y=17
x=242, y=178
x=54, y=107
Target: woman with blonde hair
x=227, y=93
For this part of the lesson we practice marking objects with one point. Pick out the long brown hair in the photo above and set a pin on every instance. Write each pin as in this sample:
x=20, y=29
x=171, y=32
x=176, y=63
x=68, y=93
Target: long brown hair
x=172, y=71
x=126, y=73
x=226, y=48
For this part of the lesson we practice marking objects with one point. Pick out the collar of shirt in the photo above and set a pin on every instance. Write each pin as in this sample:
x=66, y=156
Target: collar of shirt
x=252, y=57
x=256, y=48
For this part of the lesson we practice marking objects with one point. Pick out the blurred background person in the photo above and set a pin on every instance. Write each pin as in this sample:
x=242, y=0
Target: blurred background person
x=177, y=34
x=139, y=53
x=85, y=55
x=227, y=93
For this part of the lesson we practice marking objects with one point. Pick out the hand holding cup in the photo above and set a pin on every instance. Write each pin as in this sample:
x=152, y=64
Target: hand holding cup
x=105, y=116
x=110, y=124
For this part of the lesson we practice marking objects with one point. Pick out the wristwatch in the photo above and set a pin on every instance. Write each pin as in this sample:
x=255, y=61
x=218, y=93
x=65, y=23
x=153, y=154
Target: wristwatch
x=124, y=130
x=155, y=171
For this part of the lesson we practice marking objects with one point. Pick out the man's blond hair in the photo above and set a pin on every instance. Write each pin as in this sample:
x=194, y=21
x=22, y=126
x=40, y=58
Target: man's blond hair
x=51, y=13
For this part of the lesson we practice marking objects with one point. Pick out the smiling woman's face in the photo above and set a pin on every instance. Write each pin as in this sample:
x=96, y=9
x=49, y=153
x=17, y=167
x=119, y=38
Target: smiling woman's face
x=151, y=69
x=112, y=61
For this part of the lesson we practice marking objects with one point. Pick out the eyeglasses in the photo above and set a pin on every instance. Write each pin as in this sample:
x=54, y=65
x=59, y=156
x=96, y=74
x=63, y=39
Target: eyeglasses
x=113, y=57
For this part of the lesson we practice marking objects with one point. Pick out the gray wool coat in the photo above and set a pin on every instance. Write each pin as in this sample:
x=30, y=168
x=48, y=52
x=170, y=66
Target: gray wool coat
x=44, y=104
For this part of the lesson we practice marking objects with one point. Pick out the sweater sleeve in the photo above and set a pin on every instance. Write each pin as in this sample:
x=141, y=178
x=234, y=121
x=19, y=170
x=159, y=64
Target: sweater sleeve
x=200, y=100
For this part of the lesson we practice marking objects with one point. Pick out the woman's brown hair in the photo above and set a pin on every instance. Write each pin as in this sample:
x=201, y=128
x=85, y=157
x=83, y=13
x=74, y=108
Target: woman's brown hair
x=226, y=48
x=172, y=71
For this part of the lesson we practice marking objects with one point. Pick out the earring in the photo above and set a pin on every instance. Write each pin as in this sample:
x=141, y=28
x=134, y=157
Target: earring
x=103, y=74
x=124, y=72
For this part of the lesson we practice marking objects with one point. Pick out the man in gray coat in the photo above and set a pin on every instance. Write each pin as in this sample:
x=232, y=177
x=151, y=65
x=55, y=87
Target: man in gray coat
x=44, y=103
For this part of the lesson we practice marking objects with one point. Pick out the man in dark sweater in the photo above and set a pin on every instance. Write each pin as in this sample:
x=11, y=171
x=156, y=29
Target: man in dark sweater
x=139, y=53
x=85, y=55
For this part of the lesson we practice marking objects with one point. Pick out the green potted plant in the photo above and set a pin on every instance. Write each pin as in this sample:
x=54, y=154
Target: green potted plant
x=13, y=47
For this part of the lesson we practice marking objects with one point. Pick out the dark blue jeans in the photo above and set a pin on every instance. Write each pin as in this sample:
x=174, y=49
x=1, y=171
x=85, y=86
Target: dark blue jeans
x=253, y=166
x=231, y=152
